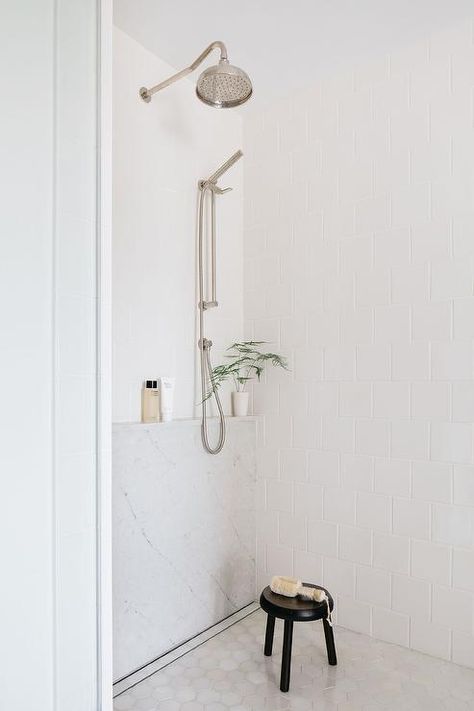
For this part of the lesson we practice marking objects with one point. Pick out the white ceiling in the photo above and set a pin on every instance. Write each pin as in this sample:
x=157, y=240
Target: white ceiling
x=284, y=45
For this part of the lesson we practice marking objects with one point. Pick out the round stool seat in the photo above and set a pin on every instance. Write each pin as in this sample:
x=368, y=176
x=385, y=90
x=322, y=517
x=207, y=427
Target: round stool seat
x=295, y=608
x=290, y=610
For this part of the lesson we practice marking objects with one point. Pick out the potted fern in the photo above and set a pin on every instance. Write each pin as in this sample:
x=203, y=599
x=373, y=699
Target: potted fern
x=246, y=360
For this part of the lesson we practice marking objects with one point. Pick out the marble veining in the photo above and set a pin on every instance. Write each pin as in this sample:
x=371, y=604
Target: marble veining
x=183, y=535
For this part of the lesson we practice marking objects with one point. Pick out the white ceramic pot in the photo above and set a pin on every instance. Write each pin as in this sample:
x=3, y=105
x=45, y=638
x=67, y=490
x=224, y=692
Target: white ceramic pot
x=240, y=404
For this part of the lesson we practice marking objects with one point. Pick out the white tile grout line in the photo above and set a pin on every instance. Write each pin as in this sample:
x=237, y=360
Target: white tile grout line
x=154, y=666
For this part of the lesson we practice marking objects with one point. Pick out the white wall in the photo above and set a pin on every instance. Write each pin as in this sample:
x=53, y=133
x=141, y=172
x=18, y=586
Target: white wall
x=48, y=357
x=160, y=150
x=359, y=249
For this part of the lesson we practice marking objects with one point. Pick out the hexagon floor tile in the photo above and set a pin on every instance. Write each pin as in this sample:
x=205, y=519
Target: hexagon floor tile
x=230, y=673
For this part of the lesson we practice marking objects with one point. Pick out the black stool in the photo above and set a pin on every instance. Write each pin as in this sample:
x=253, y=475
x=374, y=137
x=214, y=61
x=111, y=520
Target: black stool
x=294, y=609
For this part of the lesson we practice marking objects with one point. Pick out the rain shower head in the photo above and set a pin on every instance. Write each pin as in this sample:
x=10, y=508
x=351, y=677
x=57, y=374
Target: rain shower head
x=222, y=85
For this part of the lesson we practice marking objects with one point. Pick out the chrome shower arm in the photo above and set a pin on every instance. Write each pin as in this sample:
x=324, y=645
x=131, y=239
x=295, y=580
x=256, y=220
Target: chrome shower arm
x=146, y=94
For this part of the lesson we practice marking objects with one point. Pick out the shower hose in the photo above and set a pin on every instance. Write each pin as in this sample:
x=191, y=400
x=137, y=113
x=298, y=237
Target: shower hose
x=207, y=388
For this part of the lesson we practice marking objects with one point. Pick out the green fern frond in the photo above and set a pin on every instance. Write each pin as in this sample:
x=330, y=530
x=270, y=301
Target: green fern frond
x=245, y=360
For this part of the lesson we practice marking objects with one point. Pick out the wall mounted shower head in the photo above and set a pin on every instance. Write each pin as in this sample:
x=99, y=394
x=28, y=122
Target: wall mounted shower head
x=222, y=86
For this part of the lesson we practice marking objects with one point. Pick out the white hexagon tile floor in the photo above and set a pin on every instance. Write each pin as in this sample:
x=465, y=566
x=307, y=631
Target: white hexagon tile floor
x=230, y=672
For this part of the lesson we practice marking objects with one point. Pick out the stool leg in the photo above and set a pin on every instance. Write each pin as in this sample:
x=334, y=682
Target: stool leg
x=330, y=646
x=286, y=658
x=269, y=636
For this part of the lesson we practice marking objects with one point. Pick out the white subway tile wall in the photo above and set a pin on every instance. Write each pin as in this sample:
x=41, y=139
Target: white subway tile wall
x=359, y=265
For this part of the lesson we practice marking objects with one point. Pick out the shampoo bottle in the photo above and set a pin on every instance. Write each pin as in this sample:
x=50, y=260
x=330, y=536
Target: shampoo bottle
x=150, y=401
x=166, y=395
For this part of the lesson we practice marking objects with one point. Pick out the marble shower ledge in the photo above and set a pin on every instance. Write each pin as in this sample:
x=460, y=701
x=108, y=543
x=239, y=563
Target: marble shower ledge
x=189, y=421
x=183, y=533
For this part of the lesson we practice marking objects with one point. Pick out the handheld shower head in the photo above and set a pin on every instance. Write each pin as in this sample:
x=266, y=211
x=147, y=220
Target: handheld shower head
x=222, y=86
x=224, y=167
